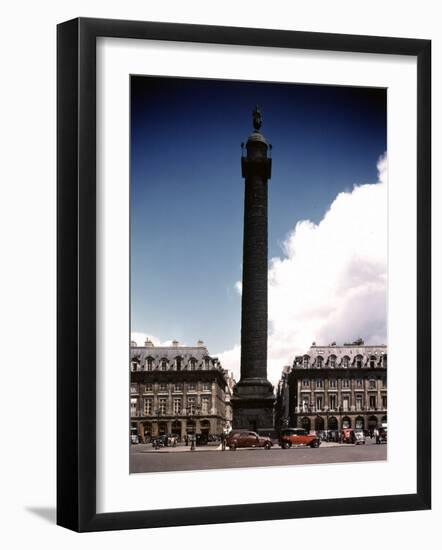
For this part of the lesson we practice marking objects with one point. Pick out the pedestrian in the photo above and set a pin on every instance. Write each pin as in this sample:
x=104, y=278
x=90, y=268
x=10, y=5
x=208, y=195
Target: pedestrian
x=223, y=440
x=376, y=434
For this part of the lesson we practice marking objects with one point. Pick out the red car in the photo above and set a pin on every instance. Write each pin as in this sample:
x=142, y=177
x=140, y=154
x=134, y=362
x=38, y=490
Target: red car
x=236, y=440
x=297, y=436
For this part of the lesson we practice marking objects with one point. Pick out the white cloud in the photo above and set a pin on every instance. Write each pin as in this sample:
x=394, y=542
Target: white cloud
x=238, y=287
x=331, y=283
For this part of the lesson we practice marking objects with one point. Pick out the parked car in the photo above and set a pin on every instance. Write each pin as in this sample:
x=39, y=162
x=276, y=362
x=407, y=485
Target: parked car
x=348, y=435
x=359, y=437
x=236, y=440
x=297, y=436
x=382, y=437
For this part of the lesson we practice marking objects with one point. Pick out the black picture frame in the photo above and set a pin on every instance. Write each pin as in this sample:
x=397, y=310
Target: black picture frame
x=76, y=274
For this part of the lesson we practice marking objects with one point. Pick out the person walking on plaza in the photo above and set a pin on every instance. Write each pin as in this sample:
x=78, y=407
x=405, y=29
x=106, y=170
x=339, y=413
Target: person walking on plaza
x=223, y=440
x=376, y=434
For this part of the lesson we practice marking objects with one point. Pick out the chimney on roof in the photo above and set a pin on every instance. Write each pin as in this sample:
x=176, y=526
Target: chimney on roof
x=200, y=344
x=133, y=344
x=148, y=343
x=175, y=343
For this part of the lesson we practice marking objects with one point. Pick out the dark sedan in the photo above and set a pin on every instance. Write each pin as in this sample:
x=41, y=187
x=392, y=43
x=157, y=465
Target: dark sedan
x=236, y=440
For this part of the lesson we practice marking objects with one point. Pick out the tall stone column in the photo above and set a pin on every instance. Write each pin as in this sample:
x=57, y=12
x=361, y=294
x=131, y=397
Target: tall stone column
x=253, y=398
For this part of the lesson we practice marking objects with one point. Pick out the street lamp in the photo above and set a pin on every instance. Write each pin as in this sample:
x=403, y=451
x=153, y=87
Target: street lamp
x=192, y=416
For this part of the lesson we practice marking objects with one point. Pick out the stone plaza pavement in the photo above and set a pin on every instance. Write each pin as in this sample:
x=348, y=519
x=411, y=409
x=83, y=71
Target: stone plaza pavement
x=147, y=448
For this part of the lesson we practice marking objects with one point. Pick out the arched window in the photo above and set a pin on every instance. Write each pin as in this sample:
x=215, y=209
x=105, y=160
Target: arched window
x=358, y=361
x=345, y=361
x=332, y=361
x=306, y=361
x=163, y=364
x=149, y=363
x=319, y=362
x=372, y=361
x=178, y=363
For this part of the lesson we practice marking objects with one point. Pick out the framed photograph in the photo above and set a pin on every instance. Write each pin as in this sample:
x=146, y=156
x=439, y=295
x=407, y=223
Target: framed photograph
x=243, y=254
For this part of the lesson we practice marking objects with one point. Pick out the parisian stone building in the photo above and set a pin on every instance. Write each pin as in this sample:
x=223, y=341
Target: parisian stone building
x=179, y=390
x=333, y=387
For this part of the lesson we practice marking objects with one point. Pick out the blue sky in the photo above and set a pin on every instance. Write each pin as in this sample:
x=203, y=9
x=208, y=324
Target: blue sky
x=187, y=190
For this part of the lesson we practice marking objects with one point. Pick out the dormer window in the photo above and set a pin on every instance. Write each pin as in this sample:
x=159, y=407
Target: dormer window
x=163, y=364
x=332, y=361
x=345, y=362
x=319, y=362
x=359, y=361
x=306, y=361
x=372, y=361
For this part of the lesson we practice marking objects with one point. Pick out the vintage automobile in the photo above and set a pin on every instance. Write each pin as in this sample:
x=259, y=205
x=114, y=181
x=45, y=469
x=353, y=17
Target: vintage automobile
x=297, y=436
x=359, y=437
x=382, y=436
x=241, y=439
x=348, y=435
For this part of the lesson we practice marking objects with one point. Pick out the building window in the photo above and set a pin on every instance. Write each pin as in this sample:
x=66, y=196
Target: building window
x=345, y=362
x=178, y=363
x=359, y=361
x=359, y=383
x=163, y=387
x=384, y=401
x=384, y=382
x=372, y=402
x=332, y=383
x=345, y=402
x=191, y=387
x=305, y=404
x=306, y=361
x=207, y=363
x=359, y=402
x=177, y=387
x=372, y=361
x=192, y=365
x=134, y=365
x=306, y=383
x=332, y=402
x=162, y=405
x=372, y=384
x=333, y=361
x=384, y=360
x=191, y=405
x=134, y=388
x=319, y=383
x=147, y=407
x=319, y=362
x=206, y=386
x=133, y=407
x=149, y=363
x=205, y=404
x=164, y=364
x=148, y=388
x=319, y=403
x=177, y=405
x=345, y=382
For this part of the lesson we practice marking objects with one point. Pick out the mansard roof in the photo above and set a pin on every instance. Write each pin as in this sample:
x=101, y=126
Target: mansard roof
x=199, y=354
x=352, y=351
